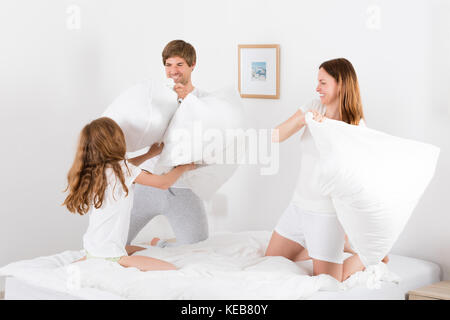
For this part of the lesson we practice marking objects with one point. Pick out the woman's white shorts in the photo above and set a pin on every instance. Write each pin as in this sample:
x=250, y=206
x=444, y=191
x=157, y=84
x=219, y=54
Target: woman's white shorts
x=320, y=233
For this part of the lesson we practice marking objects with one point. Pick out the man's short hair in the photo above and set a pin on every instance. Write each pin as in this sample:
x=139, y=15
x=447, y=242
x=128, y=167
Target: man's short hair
x=179, y=48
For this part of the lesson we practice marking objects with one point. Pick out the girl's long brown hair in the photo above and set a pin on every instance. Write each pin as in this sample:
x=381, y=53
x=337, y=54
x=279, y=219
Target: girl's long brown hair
x=101, y=145
x=342, y=71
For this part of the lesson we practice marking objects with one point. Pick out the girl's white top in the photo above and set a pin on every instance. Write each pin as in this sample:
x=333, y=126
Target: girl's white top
x=307, y=193
x=107, y=232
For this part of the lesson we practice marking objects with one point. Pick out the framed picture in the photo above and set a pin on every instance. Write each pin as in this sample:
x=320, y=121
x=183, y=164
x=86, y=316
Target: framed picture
x=259, y=71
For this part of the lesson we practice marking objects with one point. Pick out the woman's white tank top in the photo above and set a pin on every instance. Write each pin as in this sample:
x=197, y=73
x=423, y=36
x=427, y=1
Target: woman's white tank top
x=307, y=192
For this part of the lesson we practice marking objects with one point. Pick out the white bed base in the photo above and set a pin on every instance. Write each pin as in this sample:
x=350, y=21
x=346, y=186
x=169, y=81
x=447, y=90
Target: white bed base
x=414, y=273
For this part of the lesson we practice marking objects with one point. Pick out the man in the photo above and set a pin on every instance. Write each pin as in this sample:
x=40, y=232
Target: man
x=184, y=210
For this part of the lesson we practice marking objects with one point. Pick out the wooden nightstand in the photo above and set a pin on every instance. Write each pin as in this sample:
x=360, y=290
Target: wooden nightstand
x=436, y=291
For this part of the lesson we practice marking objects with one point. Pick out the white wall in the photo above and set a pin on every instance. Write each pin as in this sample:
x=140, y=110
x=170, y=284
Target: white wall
x=426, y=234
x=54, y=79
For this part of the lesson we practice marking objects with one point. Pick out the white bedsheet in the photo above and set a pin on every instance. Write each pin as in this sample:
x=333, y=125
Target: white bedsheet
x=226, y=266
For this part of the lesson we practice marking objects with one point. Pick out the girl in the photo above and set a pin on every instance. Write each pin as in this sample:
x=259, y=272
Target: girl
x=101, y=183
x=309, y=227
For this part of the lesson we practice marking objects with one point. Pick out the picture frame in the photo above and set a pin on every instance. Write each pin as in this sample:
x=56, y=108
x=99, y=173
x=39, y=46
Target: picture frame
x=259, y=71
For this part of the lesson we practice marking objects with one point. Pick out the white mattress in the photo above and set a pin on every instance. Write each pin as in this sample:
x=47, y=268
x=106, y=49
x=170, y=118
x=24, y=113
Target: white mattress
x=231, y=262
x=18, y=289
x=413, y=274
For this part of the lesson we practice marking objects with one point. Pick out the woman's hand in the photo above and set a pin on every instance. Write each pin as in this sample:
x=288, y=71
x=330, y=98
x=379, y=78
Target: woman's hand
x=317, y=116
x=155, y=149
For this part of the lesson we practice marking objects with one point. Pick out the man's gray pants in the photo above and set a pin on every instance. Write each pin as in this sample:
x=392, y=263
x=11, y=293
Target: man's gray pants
x=182, y=207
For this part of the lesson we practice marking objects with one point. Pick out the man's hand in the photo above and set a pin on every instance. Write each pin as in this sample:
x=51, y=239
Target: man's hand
x=183, y=90
x=155, y=149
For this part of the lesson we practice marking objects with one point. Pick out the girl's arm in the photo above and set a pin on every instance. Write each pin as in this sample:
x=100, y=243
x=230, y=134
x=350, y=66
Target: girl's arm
x=154, y=150
x=163, y=181
x=289, y=127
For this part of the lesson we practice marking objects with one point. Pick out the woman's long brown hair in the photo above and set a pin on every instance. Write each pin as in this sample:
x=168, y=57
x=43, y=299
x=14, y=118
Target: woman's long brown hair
x=101, y=145
x=342, y=71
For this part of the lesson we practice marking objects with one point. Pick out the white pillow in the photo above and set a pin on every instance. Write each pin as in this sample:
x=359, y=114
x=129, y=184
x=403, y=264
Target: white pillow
x=200, y=132
x=143, y=112
x=206, y=180
x=374, y=179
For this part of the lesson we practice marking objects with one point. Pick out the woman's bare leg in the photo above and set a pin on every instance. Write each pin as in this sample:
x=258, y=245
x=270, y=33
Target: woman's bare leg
x=281, y=246
x=145, y=263
x=352, y=265
x=330, y=268
x=347, y=248
x=340, y=272
x=303, y=255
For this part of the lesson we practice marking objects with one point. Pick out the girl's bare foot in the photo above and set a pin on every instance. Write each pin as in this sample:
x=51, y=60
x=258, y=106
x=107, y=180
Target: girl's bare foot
x=132, y=249
x=385, y=259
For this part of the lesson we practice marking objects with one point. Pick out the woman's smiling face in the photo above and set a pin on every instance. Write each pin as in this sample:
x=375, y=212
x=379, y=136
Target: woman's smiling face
x=327, y=88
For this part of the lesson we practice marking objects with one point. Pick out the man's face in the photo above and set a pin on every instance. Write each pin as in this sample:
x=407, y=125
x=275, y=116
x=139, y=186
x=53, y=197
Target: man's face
x=178, y=69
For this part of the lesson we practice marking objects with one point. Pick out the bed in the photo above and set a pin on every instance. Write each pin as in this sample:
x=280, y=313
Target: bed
x=228, y=266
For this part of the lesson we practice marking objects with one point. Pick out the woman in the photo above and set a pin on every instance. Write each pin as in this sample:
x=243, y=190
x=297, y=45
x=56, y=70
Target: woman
x=309, y=228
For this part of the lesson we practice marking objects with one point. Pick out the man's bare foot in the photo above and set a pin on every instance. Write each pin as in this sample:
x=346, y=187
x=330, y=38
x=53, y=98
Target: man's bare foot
x=154, y=241
x=385, y=259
